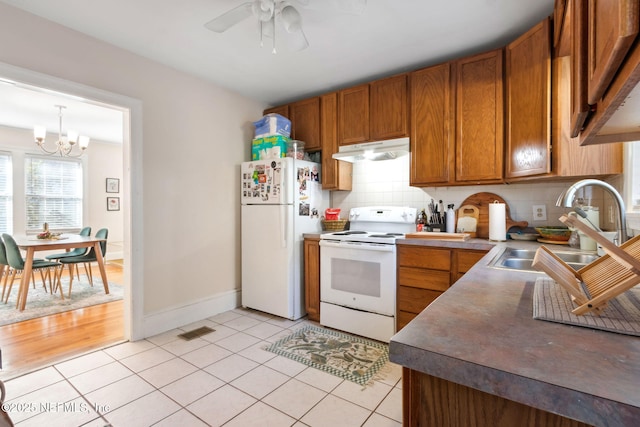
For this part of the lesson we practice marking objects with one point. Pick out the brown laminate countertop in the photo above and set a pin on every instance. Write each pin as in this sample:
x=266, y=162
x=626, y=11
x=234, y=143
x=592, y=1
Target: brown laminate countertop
x=481, y=334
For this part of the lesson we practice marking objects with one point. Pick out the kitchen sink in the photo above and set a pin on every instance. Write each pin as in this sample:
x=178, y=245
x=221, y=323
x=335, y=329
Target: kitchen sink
x=521, y=259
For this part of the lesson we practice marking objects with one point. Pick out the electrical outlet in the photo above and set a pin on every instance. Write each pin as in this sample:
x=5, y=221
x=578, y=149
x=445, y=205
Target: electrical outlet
x=539, y=213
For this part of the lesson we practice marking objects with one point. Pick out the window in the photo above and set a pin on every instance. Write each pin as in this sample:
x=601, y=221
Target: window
x=6, y=194
x=53, y=193
x=634, y=175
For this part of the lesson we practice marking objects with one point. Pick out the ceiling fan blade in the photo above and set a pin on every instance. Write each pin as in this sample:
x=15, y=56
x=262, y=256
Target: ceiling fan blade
x=352, y=6
x=228, y=19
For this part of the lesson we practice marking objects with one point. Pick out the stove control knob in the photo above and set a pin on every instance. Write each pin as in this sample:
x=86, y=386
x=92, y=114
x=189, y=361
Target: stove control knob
x=408, y=216
x=354, y=214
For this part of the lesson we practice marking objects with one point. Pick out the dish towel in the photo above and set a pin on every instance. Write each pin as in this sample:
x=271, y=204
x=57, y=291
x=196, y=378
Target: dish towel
x=622, y=314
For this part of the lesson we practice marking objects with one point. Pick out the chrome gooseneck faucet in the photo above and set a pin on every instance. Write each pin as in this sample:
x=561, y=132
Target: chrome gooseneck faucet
x=567, y=197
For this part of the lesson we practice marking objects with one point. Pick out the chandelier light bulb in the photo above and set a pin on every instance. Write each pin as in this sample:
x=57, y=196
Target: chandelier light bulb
x=39, y=133
x=64, y=145
x=83, y=141
x=72, y=136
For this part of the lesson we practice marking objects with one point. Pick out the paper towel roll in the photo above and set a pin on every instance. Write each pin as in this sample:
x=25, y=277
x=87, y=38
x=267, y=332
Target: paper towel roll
x=497, y=222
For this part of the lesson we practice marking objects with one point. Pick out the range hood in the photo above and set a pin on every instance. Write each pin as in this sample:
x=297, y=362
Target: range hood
x=379, y=150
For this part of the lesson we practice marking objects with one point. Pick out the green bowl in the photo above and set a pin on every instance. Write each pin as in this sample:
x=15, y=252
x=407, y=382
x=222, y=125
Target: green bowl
x=557, y=233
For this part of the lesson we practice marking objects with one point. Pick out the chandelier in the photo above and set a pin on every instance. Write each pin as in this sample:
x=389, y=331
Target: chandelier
x=65, y=144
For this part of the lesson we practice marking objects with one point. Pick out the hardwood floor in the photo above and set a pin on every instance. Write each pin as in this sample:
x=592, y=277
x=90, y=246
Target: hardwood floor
x=39, y=342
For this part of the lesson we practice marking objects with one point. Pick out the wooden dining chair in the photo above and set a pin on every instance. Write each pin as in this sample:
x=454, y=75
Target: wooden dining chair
x=16, y=262
x=87, y=259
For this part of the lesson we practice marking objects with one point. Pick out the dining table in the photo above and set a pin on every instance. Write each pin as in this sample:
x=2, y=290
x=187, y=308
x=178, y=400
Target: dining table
x=32, y=244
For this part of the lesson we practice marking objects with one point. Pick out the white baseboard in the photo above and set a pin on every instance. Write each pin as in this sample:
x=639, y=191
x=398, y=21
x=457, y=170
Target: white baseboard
x=175, y=317
x=114, y=255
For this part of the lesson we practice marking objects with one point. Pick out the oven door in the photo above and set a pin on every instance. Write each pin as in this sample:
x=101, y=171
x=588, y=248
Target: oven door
x=358, y=275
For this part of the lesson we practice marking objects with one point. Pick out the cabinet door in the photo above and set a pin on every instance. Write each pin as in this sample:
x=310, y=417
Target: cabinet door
x=336, y=174
x=312, y=278
x=283, y=110
x=431, y=110
x=353, y=115
x=388, y=103
x=305, y=122
x=579, y=84
x=562, y=27
x=570, y=159
x=479, y=118
x=463, y=260
x=528, y=71
x=613, y=25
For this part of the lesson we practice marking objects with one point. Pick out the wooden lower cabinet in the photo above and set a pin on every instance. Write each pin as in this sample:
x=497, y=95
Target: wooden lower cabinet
x=312, y=277
x=424, y=273
x=432, y=401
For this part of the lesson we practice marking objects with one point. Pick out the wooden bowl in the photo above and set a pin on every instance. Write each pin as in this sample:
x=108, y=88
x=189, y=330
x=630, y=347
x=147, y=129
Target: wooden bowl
x=557, y=233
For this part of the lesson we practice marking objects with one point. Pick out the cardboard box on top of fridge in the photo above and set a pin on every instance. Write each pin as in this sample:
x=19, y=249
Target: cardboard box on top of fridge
x=269, y=147
x=272, y=124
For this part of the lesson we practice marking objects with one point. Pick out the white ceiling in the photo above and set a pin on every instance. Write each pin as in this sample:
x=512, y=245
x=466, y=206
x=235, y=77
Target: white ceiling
x=389, y=37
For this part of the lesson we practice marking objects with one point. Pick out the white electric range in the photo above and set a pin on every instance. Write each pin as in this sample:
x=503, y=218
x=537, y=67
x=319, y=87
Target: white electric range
x=358, y=271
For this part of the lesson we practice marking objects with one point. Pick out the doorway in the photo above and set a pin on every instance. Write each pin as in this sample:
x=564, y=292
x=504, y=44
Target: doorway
x=132, y=160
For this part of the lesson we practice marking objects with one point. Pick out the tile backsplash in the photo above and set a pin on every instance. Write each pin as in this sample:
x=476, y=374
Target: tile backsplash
x=386, y=183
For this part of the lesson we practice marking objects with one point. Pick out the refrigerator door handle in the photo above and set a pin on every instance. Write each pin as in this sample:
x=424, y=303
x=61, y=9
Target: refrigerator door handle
x=283, y=226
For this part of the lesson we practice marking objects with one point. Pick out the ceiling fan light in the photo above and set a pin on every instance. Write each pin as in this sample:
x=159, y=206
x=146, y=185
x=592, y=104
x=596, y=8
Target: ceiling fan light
x=291, y=19
x=263, y=9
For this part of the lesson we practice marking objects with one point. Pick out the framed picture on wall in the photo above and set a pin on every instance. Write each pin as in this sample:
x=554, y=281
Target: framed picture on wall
x=113, y=185
x=113, y=203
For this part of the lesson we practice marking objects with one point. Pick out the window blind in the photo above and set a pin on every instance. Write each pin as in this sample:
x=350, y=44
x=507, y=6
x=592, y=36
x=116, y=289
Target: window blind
x=53, y=193
x=6, y=194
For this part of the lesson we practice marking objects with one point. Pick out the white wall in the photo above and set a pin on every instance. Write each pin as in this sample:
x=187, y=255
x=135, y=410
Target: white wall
x=387, y=183
x=186, y=260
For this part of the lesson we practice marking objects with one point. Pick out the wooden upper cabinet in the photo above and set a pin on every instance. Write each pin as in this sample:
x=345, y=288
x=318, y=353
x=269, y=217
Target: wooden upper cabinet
x=305, y=123
x=562, y=27
x=353, y=115
x=374, y=111
x=431, y=112
x=528, y=103
x=612, y=28
x=479, y=118
x=335, y=174
x=388, y=108
x=570, y=159
x=578, y=98
x=283, y=110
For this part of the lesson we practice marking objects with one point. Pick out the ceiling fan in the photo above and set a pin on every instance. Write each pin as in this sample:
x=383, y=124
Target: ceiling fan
x=267, y=11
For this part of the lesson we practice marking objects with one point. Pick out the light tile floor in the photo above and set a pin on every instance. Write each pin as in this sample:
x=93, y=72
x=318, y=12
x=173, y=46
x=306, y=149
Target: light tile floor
x=222, y=378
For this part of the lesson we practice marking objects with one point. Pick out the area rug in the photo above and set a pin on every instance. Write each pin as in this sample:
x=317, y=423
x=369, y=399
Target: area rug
x=346, y=356
x=553, y=303
x=41, y=303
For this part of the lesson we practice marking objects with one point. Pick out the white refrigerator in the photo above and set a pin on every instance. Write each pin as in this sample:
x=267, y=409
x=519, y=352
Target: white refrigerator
x=281, y=199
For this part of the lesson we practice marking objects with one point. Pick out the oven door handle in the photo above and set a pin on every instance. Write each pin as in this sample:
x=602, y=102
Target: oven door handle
x=357, y=245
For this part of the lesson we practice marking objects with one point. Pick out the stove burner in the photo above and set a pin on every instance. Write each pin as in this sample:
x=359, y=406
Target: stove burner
x=347, y=233
x=388, y=235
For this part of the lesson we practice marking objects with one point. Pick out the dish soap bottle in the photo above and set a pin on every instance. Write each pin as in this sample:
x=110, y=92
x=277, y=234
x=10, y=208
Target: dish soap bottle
x=450, y=219
x=421, y=221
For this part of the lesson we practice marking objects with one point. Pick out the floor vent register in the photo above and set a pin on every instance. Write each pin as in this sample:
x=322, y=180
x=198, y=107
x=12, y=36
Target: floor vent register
x=196, y=333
